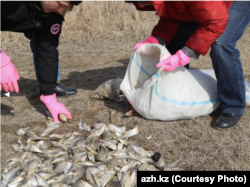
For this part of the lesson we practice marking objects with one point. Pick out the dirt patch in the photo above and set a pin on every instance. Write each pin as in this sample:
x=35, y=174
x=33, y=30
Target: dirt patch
x=85, y=67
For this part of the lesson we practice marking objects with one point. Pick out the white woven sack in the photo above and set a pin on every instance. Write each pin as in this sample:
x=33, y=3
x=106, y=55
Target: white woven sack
x=160, y=95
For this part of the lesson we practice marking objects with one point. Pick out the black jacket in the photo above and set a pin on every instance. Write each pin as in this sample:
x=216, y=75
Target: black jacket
x=28, y=16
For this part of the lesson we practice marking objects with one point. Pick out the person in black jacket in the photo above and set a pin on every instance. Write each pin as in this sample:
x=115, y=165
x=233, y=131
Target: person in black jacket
x=44, y=19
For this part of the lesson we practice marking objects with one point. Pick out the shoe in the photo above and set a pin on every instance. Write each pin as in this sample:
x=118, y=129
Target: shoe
x=61, y=90
x=226, y=120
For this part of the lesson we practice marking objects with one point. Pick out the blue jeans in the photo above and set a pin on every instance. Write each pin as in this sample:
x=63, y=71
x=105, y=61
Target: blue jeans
x=226, y=60
x=32, y=38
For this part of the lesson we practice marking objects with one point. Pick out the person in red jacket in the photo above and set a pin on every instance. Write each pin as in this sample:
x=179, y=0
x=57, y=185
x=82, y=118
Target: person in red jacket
x=190, y=28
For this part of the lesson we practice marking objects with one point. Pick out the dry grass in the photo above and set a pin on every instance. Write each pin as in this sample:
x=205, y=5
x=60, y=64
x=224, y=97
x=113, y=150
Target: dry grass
x=97, y=21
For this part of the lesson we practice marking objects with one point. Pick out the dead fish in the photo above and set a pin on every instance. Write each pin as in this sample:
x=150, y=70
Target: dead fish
x=147, y=167
x=30, y=134
x=44, y=144
x=109, y=144
x=113, y=184
x=116, y=154
x=58, y=159
x=80, y=158
x=129, y=166
x=59, y=168
x=92, y=150
x=104, y=176
x=114, y=128
x=97, y=125
x=58, y=184
x=79, y=173
x=87, y=163
x=62, y=118
x=96, y=182
x=31, y=167
x=46, y=175
x=96, y=132
x=40, y=180
x=142, y=151
x=82, y=183
x=50, y=128
x=84, y=126
x=91, y=157
x=56, y=178
x=129, y=179
x=136, y=157
x=118, y=162
x=32, y=181
x=119, y=147
x=101, y=154
x=130, y=133
x=105, y=134
x=90, y=178
x=15, y=146
x=60, y=135
x=68, y=167
x=21, y=131
x=12, y=173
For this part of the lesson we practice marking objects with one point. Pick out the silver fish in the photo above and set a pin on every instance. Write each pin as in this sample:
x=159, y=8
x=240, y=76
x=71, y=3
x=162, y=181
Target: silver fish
x=142, y=151
x=147, y=167
x=102, y=154
x=40, y=180
x=68, y=167
x=32, y=166
x=130, y=133
x=79, y=173
x=109, y=144
x=129, y=166
x=50, y=128
x=129, y=179
x=114, y=128
x=62, y=118
x=22, y=131
x=91, y=157
x=104, y=176
x=82, y=183
x=96, y=132
x=84, y=126
x=32, y=181
x=60, y=167
x=58, y=184
x=12, y=173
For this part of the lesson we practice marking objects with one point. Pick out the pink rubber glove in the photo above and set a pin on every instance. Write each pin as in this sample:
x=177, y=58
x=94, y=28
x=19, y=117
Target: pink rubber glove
x=174, y=61
x=54, y=107
x=9, y=74
x=150, y=40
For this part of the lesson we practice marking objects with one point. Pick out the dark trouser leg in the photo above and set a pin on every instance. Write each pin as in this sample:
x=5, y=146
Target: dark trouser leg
x=60, y=90
x=226, y=60
x=186, y=29
x=32, y=38
x=228, y=68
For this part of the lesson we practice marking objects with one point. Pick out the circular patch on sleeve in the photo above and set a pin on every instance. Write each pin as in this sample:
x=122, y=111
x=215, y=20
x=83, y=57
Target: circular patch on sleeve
x=55, y=28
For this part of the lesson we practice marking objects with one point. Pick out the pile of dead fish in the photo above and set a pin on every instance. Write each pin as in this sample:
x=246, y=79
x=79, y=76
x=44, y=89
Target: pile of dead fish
x=98, y=155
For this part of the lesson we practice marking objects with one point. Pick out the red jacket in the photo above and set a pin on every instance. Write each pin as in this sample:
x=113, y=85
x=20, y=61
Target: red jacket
x=211, y=15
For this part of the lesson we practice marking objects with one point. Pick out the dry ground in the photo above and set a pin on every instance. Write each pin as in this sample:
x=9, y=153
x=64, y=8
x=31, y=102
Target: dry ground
x=86, y=65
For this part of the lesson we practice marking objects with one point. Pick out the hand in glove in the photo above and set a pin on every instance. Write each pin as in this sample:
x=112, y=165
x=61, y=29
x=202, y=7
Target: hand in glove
x=174, y=61
x=54, y=107
x=9, y=74
x=150, y=40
